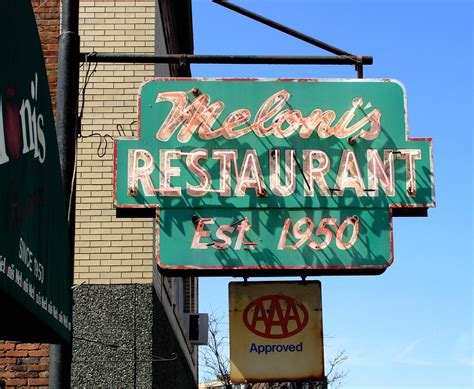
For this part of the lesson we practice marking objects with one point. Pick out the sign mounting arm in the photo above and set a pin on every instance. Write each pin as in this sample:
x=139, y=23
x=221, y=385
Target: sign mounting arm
x=293, y=33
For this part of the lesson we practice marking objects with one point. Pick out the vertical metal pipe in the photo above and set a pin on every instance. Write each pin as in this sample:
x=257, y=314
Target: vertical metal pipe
x=360, y=70
x=60, y=355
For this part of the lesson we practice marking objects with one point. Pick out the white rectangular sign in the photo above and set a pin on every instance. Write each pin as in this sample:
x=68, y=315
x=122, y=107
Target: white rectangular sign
x=276, y=331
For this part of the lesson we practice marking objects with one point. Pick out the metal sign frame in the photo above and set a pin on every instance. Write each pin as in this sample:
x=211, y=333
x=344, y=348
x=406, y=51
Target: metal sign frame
x=276, y=331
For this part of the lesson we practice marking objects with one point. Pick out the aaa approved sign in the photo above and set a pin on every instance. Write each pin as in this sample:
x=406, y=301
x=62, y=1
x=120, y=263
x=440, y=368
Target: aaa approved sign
x=276, y=331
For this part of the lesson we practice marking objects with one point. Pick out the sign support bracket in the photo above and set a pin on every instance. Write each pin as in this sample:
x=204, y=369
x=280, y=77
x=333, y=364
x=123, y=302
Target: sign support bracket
x=295, y=34
x=341, y=57
x=185, y=59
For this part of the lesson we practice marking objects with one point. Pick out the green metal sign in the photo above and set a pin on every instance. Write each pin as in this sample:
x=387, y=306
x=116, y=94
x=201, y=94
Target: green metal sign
x=35, y=293
x=266, y=146
x=246, y=241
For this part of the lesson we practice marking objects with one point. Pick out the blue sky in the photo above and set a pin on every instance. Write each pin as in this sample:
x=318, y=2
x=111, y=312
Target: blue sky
x=411, y=327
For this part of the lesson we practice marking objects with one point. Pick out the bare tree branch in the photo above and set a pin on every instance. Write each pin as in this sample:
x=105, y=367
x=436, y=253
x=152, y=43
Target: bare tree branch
x=335, y=377
x=214, y=359
x=216, y=364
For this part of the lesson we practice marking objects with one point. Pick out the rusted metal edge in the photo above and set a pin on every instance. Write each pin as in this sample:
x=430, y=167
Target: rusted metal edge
x=256, y=380
x=226, y=59
x=244, y=272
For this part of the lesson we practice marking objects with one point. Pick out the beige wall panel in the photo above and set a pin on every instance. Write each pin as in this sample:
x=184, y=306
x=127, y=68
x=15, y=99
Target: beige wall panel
x=110, y=250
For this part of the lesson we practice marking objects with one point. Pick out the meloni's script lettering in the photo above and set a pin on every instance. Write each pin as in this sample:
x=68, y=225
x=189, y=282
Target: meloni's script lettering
x=201, y=114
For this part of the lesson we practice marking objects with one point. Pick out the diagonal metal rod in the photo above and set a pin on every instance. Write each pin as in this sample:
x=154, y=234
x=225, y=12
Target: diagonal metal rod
x=282, y=28
x=224, y=59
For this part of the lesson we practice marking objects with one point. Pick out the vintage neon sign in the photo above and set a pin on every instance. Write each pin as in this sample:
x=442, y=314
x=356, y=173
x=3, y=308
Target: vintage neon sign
x=141, y=165
x=337, y=148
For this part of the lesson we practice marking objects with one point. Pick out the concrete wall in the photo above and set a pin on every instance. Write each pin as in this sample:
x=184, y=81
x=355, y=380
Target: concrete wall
x=124, y=339
x=113, y=336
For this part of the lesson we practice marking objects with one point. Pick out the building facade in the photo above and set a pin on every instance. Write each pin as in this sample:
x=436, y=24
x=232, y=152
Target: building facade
x=129, y=320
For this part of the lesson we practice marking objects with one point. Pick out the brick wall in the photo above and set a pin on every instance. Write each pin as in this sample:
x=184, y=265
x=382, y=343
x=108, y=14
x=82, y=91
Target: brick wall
x=24, y=365
x=47, y=18
x=110, y=250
